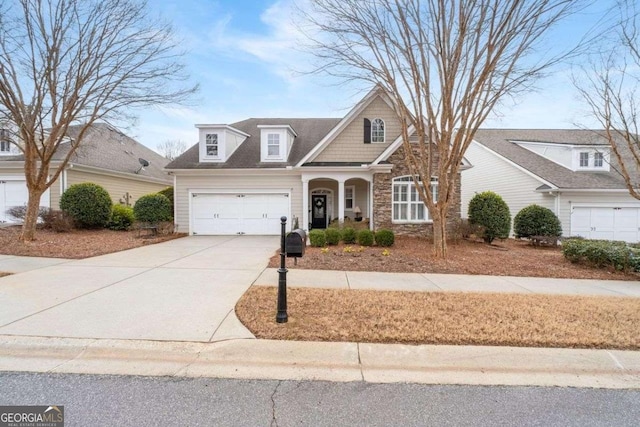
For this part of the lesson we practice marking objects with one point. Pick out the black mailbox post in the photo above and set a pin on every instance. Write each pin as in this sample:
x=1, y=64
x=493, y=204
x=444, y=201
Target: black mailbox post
x=295, y=242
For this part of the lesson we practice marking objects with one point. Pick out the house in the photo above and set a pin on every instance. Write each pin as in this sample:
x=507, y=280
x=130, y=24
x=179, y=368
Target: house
x=242, y=177
x=106, y=157
x=571, y=172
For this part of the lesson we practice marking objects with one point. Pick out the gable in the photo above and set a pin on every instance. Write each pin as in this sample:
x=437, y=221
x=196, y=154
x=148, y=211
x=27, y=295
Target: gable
x=349, y=144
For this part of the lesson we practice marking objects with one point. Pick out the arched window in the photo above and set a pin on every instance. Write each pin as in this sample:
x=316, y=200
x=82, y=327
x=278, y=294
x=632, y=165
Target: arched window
x=407, y=205
x=377, y=130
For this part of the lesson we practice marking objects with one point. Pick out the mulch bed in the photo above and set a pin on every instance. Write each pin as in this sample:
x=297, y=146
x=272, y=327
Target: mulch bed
x=414, y=254
x=444, y=318
x=76, y=244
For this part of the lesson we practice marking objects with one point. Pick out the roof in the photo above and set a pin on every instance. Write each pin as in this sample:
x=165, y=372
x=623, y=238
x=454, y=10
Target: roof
x=106, y=147
x=501, y=141
x=247, y=155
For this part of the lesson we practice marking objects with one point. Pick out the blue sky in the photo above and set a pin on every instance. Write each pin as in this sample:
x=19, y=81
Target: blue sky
x=243, y=53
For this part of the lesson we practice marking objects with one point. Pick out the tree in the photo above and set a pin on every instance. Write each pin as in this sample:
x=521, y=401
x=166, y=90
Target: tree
x=445, y=65
x=611, y=88
x=172, y=148
x=65, y=62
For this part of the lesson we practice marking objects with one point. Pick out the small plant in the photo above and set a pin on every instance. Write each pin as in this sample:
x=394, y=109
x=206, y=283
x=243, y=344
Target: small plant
x=490, y=211
x=361, y=249
x=324, y=250
x=386, y=252
x=57, y=221
x=347, y=249
x=332, y=236
x=384, y=237
x=296, y=223
x=122, y=217
x=365, y=237
x=88, y=204
x=317, y=238
x=536, y=220
x=152, y=208
x=349, y=235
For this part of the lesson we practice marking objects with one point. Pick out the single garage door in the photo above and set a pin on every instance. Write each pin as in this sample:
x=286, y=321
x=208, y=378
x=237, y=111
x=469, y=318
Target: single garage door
x=611, y=223
x=13, y=192
x=238, y=213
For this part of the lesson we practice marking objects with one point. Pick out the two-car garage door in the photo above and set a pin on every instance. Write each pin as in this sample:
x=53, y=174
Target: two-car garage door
x=606, y=223
x=238, y=213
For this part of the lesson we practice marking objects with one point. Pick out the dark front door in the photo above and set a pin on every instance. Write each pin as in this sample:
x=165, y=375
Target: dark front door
x=318, y=211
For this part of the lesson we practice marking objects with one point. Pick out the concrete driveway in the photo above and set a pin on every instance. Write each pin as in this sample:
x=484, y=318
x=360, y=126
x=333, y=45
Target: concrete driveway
x=181, y=290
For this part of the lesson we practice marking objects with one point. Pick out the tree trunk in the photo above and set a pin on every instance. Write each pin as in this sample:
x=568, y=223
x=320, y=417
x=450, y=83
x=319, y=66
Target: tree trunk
x=31, y=217
x=440, y=232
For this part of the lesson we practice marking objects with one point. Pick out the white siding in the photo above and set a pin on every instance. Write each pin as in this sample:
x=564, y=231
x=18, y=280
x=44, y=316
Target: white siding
x=491, y=173
x=228, y=181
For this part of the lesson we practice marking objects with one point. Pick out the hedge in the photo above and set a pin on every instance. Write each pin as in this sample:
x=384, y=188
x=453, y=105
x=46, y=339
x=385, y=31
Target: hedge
x=317, y=238
x=602, y=253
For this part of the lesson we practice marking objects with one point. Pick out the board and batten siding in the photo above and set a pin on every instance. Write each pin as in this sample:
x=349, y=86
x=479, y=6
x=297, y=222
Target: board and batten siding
x=275, y=181
x=492, y=173
x=349, y=146
x=117, y=187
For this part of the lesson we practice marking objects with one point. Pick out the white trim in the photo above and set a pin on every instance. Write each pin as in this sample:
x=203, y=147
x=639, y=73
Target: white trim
x=324, y=191
x=384, y=131
x=101, y=171
x=353, y=197
x=175, y=205
x=605, y=205
x=410, y=183
x=288, y=127
x=220, y=126
x=555, y=144
x=585, y=190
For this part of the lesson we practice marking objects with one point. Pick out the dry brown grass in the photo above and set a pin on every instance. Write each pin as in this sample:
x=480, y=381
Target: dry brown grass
x=444, y=318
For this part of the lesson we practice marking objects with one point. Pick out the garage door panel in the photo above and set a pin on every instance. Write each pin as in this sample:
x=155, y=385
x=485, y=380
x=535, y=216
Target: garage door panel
x=606, y=223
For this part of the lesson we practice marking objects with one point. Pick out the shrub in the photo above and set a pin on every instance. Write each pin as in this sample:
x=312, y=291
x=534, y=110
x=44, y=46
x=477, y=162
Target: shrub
x=365, y=237
x=152, y=208
x=385, y=237
x=332, y=236
x=19, y=212
x=348, y=235
x=88, y=204
x=317, y=238
x=121, y=217
x=490, y=211
x=602, y=253
x=57, y=221
x=168, y=193
x=536, y=220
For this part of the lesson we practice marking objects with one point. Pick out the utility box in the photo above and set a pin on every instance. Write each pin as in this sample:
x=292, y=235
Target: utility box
x=295, y=242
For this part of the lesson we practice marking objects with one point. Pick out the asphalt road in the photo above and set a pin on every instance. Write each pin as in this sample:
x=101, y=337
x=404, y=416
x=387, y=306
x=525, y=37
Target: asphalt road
x=91, y=400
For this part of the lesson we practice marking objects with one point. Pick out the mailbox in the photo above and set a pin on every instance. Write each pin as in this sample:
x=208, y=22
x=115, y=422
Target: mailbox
x=295, y=242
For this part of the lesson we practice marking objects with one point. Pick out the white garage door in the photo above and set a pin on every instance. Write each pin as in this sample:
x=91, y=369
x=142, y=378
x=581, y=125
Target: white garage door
x=606, y=223
x=238, y=213
x=12, y=193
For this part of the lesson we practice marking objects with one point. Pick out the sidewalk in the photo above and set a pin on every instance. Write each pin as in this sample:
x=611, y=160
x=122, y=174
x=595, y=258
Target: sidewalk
x=21, y=264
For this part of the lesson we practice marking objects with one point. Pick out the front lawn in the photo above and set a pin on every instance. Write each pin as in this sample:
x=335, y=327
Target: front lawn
x=444, y=318
x=412, y=254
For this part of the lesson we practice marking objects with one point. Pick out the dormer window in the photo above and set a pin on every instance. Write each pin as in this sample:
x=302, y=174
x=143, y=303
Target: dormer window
x=273, y=145
x=212, y=148
x=598, y=160
x=276, y=142
x=377, y=130
x=584, y=159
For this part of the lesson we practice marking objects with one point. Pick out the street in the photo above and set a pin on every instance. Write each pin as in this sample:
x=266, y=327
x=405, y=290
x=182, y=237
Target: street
x=92, y=400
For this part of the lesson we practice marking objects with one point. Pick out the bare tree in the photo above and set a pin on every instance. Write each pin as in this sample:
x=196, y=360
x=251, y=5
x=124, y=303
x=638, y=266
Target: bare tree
x=65, y=62
x=611, y=88
x=172, y=148
x=445, y=64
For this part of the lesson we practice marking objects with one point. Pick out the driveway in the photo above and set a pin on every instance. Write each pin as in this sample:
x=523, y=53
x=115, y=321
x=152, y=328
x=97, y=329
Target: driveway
x=180, y=290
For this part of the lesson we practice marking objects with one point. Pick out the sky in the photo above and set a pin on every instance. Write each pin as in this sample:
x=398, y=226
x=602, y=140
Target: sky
x=245, y=56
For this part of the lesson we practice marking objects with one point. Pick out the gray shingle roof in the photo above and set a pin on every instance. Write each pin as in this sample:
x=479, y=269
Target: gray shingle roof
x=501, y=141
x=247, y=155
x=106, y=147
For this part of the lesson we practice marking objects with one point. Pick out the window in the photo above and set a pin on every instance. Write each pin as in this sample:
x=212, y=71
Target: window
x=349, y=197
x=212, y=144
x=584, y=159
x=5, y=144
x=273, y=145
x=598, y=160
x=407, y=205
x=377, y=130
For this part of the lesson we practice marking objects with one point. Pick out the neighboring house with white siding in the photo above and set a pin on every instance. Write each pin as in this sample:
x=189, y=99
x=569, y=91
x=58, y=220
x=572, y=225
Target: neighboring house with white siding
x=107, y=157
x=571, y=172
x=241, y=178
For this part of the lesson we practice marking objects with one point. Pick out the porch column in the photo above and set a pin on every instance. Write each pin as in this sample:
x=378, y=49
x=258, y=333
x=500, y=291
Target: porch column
x=370, y=204
x=305, y=204
x=341, y=201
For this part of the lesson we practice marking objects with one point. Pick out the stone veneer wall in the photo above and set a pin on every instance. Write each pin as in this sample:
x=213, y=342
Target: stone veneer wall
x=382, y=201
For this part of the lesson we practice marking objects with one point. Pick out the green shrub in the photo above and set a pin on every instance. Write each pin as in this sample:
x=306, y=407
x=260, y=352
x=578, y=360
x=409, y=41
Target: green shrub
x=332, y=236
x=490, y=211
x=602, y=253
x=365, y=237
x=168, y=193
x=536, y=220
x=121, y=217
x=348, y=235
x=88, y=204
x=152, y=208
x=385, y=237
x=317, y=238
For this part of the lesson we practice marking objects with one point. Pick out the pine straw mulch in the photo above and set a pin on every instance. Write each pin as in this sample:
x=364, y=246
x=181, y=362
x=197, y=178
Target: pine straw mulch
x=444, y=318
x=508, y=257
x=75, y=244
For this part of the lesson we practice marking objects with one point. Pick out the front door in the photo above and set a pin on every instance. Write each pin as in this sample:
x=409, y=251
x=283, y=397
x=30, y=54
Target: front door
x=318, y=211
